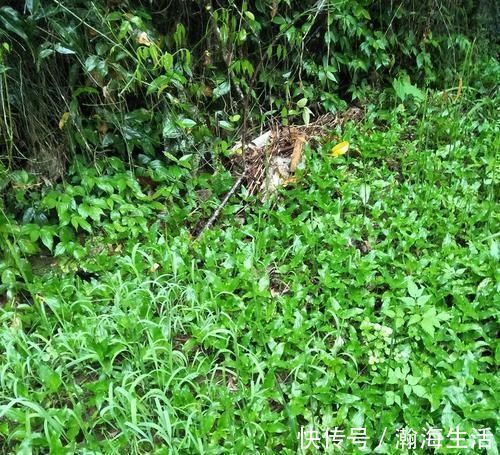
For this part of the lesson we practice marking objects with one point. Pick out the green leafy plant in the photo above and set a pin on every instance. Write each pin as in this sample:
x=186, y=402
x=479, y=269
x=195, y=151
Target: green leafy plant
x=329, y=305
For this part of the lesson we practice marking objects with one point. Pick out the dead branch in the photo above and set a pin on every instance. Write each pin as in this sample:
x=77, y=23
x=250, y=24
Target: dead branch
x=223, y=203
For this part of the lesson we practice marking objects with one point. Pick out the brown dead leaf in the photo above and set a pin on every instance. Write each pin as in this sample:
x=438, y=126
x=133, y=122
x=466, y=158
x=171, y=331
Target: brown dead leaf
x=289, y=181
x=274, y=9
x=102, y=127
x=231, y=383
x=207, y=58
x=105, y=92
x=207, y=91
x=298, y=147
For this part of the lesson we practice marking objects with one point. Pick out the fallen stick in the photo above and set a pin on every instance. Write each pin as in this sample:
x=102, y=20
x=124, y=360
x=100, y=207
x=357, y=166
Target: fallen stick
x=257, y=143
x=224, y=201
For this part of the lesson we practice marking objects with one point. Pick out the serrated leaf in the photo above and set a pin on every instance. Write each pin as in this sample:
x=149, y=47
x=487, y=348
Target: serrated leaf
x=456, y=395
x=429, y=321
x=85, y=225
x=33, y=230
x=414, y=319
x=423, y=299
x=77, y=221
x=346, y=398
x=413, y=289
x=107, y=187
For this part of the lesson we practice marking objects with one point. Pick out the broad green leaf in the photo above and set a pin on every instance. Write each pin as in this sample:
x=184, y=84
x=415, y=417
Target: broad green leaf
x=49, y=378
x=404, y=88
x=168, y=61
x=302, y=103
x=8, y=277
x=306, y=116
x=170, y=129
x=59, y=48
x=419, y=391
x=47, y=238
x=60, y=249
x=186, y=123
x=12, y=21
x=226, y=125
x=185, y=161
x=221, y=90
x=429, y=321
x=91, y=63
x=95, y=213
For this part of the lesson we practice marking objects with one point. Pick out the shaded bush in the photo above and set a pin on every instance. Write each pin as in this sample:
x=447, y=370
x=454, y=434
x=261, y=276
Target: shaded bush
x=116, y=77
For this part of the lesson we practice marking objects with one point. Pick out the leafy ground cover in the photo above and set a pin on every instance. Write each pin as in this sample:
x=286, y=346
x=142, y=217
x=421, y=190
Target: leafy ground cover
x=364, y=296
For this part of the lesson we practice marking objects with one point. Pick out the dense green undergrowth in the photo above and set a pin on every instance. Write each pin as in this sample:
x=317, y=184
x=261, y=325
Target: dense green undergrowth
x=366, y=295
x=117, y=77
x=362, y=296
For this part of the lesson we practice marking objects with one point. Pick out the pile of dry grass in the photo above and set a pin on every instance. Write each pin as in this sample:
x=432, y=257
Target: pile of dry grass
x=271, y=159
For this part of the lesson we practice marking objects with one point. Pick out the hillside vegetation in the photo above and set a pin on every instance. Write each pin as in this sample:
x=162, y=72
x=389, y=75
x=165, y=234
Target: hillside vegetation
x=352, y=309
